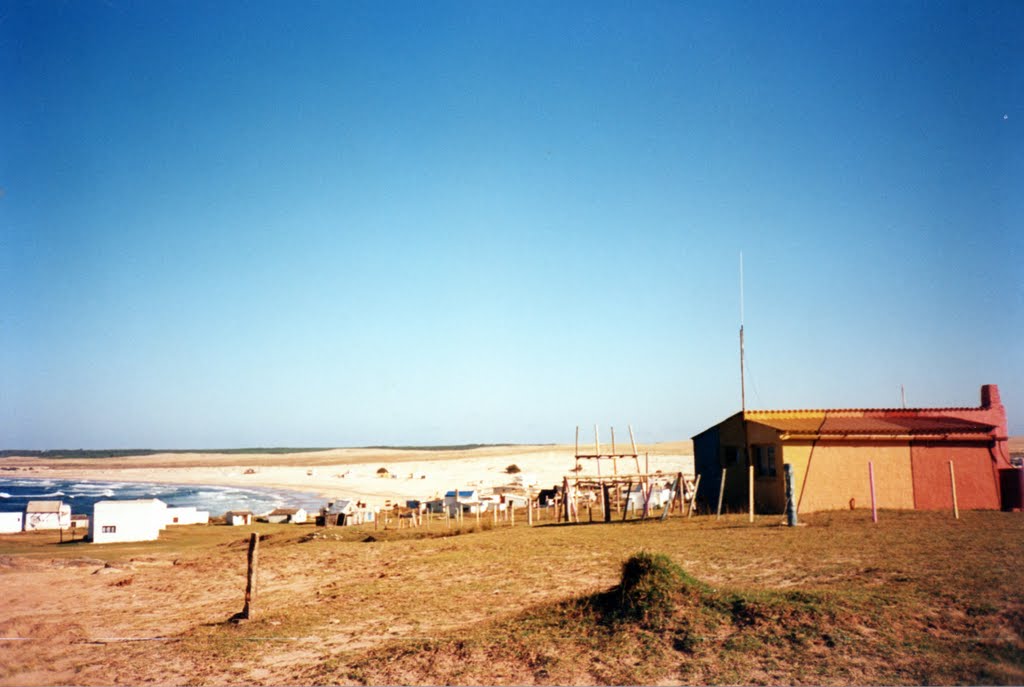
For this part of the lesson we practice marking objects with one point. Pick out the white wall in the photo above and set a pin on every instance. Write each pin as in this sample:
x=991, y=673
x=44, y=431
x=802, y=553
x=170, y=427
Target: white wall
x=138, y=520
x=49, y=521
x=11, y=522
x=187, y=515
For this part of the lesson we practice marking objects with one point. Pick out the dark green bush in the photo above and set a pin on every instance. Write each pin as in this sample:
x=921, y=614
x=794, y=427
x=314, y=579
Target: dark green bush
x=651, y=584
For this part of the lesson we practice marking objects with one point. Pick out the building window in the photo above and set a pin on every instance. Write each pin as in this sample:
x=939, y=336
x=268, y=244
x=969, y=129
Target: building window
x=109, y=529
x=765, y=461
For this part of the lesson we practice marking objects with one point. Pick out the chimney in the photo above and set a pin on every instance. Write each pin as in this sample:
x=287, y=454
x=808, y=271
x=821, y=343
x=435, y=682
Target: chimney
x=990, y=396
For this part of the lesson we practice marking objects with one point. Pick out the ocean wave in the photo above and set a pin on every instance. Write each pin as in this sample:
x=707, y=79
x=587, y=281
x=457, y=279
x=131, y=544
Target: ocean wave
x=4, y=495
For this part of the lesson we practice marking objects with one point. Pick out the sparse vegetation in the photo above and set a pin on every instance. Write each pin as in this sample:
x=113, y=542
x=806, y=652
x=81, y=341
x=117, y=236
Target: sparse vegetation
x=919, y=598
x=512, y=469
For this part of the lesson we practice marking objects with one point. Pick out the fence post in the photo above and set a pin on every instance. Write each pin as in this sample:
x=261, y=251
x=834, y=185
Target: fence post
x=790, y=500
x=249, y=609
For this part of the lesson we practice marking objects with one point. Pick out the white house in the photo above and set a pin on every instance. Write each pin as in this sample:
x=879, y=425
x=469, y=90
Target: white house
x=238, y=517
x=47, y=515
x=129, y=520
x=187, y=515
x=293, y=515
x=468, y=499
x=12, y=522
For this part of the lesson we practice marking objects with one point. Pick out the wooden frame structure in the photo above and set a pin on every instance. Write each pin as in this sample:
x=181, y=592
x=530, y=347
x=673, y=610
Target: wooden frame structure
x=606, y=491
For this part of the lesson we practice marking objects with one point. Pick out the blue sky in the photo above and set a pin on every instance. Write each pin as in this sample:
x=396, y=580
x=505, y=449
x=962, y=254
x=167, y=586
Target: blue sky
x=342, y=223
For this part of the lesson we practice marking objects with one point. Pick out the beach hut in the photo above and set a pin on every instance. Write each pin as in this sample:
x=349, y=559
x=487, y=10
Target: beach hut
x=187, y=515
x=127, y=521
x=47, y=515
x=909, y=451
x=292, y=515
x=12, y=522
x=238, y=517
x=468, y=499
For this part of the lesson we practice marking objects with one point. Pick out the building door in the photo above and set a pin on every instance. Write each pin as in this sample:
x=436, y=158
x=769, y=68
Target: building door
x=1011, y=489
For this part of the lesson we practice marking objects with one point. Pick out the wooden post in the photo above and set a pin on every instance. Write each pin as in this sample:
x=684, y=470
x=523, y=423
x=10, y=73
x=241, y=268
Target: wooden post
x=631, y=440
x=871, y=481
x=249, y=609
x=577, y=440
x=952, y=484
x=597, y=442
x=679, y=477
x=625, y=505
x=565, y=499
x=613, y=440
x=750, y=481
x=721, y=494
x=645, y=491
x=693, y=498
x=607, y=503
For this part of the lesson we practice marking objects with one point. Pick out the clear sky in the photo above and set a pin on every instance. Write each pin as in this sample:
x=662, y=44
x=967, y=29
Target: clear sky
x=351, y=223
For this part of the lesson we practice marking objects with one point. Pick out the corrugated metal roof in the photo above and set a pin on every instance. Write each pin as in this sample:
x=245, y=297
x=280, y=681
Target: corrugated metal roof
x=845, y=422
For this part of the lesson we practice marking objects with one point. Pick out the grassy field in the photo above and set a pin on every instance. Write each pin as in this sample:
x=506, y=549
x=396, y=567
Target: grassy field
x=919, y=598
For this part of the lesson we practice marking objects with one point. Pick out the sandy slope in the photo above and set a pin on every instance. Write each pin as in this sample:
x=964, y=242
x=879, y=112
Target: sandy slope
x=351, y=473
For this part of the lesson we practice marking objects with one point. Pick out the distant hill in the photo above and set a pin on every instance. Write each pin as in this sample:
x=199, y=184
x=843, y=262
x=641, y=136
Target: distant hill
x=126, y=452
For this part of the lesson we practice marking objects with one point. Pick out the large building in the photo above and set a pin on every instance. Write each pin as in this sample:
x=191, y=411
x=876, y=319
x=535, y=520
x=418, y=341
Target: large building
x=909, y=450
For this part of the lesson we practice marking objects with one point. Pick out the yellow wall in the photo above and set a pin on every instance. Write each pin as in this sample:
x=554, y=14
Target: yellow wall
x=828, y=476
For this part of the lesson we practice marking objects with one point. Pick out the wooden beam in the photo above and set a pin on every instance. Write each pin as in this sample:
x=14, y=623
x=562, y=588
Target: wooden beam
x=249, y=609
x=721, y=493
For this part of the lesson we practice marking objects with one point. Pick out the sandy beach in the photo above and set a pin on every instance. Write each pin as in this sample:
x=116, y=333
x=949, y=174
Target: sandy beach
x=353, y=473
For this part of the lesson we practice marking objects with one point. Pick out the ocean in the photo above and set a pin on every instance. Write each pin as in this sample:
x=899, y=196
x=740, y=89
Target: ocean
x=82, y=494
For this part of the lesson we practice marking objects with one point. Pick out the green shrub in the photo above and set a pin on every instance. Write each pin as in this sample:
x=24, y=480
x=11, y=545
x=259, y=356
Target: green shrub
x=650, y=585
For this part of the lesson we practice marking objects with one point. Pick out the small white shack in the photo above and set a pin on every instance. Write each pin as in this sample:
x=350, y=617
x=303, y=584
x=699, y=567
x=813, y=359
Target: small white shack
x=467, y=499
x=47, y=515
x=238, y=517
x=187, y=515
x=12, y=522
x=128, y=520
x=293, y=515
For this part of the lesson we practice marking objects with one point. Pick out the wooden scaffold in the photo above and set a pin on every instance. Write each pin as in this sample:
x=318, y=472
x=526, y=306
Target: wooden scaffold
x=615, y=491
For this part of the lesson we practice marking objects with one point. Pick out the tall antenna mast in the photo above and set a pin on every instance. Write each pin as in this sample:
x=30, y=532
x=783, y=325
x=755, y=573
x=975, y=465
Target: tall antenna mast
x=743, y=381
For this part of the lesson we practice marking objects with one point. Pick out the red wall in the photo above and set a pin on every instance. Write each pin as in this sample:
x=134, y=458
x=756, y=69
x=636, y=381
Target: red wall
x=975, y=477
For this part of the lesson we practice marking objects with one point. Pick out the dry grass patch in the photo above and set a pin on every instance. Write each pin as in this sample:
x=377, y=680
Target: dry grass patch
x=918, y=598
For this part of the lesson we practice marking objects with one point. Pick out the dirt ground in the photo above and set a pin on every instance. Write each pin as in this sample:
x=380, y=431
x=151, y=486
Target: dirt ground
x=337, y=605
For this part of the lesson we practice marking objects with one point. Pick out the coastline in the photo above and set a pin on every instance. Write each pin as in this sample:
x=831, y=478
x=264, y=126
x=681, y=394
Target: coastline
x=342, y=473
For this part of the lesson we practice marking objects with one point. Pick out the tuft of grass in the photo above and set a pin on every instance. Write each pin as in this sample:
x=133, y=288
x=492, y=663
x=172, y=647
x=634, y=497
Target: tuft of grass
x=648, y=589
